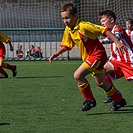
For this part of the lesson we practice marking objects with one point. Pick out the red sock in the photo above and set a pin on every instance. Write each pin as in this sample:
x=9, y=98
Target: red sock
x=2, y=71
x=86, y=91
x=108, y=79
x=8, y=66
x=115, y=95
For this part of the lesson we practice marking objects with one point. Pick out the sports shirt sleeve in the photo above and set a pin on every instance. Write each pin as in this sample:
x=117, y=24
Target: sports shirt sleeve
x=4, y=38
x=132, y=37
x=108, y=40
x=92, y=30
x=67, y=42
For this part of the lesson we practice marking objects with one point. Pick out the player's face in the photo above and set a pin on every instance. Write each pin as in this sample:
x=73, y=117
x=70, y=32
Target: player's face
x=129, y=26
x=107, y=22
x=69, y=19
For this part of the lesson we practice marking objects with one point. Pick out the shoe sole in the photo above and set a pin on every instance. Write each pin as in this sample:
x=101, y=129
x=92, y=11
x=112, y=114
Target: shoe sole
x=113, y=108
x=15, y=72
x=87, y=109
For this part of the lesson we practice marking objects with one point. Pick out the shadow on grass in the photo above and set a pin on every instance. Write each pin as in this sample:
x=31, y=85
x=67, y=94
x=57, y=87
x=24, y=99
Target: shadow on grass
x=129, y=106
x=124, y=110
x=115, y=112
x=2, y=124
x=38, y=77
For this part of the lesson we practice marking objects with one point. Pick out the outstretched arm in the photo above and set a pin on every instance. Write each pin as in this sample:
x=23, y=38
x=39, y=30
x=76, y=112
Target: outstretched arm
x=60, y=51
x=11, y=47
x=108, y=40
x=105, y=41
x=120, y=46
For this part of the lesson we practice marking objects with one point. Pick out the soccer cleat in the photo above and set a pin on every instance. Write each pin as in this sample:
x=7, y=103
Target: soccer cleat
x=108, y=100
x=14, y=71
x=3, y=76
x=116, y=106
x=87, y=105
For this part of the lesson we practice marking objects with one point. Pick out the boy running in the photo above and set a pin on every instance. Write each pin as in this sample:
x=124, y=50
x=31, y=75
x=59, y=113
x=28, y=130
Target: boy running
x=84, y=35
x=5, y=39
x=119, y=65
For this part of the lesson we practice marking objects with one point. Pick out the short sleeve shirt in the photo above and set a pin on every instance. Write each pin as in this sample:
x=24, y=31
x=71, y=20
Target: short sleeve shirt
x=85, y=36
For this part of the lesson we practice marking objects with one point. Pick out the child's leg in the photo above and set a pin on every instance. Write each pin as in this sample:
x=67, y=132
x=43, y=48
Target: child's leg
x=114, y=94
x=8, y=66
x=88, y=96
x=109, y=88
x=1, y=69
x=83, y=84
x=108, y=80
x=3, y=72
x=111, y=92
x=86, y=91
x=108, y=99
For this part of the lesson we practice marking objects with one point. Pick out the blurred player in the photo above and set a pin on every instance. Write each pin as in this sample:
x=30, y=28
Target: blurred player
x=5, y=39
x=84, y=35
x=129, y=28
x=119, y=65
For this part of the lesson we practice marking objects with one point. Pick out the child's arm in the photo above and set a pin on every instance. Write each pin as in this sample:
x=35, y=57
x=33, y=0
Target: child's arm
x=108, y=40
x=11, y=47
x=132, y=37
x=105, y=41
x=60, y=51
x=6, y=39
x=120, y=46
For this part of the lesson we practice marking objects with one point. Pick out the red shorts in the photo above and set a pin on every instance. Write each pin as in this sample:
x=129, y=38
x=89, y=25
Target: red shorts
x=121, y=69
x=95, y=63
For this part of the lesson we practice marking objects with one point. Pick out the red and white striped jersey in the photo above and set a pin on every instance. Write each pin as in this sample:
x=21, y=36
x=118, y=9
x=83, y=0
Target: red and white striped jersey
x=127, y=56
x=130, y=34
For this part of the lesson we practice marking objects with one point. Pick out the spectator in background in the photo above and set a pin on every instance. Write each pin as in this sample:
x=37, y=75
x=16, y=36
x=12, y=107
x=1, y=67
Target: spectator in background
x=31, y=52
x=19, y=52
x=38, y=52
x=129, y=28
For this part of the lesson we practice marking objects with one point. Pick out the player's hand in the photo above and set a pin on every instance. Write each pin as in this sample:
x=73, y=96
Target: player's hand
x=60, y=51
x=52, y=57
x=121, y=47
x=11, y=48
x=101, y=41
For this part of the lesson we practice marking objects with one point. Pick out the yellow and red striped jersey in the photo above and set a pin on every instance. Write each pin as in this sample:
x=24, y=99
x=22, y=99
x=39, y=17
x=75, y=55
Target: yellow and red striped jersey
x=4, y=38
x=85, y=36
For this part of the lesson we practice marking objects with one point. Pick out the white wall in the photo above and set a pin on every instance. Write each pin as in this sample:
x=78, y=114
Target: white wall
x=48, y=49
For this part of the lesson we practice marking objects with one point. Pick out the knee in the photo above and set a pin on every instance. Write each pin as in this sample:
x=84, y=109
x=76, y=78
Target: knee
x=1, y=64
x=100, y=84
x=76, y=76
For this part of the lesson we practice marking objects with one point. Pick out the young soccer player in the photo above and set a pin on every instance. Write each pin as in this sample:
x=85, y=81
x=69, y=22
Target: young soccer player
x=129, y=28
x=119, y=65
x=84, y=35
x=5, y=39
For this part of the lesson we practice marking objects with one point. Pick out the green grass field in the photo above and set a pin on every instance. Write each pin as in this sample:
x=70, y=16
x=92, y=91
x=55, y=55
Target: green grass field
x=44, y=98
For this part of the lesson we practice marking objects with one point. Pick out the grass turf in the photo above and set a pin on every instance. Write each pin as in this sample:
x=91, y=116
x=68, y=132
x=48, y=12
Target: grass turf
x=44, y=98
